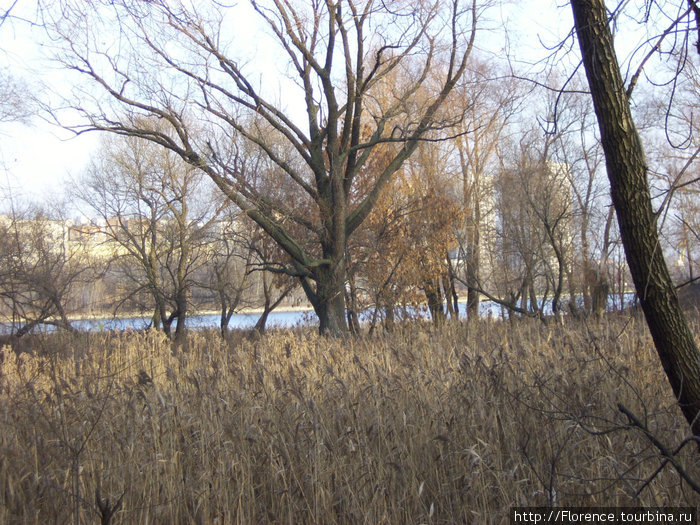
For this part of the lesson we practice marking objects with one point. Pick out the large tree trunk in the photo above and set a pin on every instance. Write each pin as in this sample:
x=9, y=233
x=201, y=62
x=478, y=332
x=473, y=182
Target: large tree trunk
x=331, y=315
x=328, y=298
x=627, y=171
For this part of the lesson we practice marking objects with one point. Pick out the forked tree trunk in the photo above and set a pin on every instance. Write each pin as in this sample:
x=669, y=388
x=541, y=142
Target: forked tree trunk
x=269, y=304
x=224, y=320
x=627, y=171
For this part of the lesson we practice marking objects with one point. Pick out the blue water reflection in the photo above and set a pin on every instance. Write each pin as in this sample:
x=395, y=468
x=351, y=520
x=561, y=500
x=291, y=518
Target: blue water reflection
x=281, y=319
x=285, y=319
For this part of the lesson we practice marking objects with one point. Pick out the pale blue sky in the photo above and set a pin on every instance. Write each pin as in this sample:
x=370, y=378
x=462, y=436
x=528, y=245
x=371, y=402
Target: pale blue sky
x=37, y=158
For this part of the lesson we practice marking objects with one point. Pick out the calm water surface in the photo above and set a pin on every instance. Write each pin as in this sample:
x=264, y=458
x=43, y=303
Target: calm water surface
x=279, y=319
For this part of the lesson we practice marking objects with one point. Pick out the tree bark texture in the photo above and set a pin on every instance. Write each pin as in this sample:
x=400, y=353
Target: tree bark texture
x=627, y=171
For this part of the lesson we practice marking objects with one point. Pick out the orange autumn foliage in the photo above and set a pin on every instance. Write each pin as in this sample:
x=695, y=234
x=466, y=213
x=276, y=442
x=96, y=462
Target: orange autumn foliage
x=404, y=242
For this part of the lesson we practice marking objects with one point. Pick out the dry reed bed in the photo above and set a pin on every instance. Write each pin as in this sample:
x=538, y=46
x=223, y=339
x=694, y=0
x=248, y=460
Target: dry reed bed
x=420, y=426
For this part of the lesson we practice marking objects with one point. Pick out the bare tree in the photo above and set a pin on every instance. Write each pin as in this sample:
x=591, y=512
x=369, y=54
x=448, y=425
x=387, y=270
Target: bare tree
x=627, y=170
x=174, y=63
x=489, y=107
x=274, y=286
x=674, y=178
x=240, y=272
x=6, y=13
x=14, y=106
x=40, y=270
x=576, y=146
x=521, y=257
x=156, y=214
x=226, y=275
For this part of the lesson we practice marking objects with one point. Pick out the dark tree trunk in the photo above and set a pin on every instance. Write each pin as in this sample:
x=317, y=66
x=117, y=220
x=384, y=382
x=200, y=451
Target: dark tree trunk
x=473, y=300
x=261, y=323
x=352, y=302
x=353, y=317
x=156, y=317
x=166, y=327
x=561, y=270
x=389, y=318
x=473, y=296
x=269, y=305
x=434, y=296
x=599, y=299
x=328, y=298
x=451, y=289
x=224, y=320
x=627, y=171
x=471, y=199
x=181, y=328
x=165, y=320
x=586, y=266
x=449, y=303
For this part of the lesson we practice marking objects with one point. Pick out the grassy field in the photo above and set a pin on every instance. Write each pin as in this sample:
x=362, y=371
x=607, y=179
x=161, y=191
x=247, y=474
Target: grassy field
x=420, y=426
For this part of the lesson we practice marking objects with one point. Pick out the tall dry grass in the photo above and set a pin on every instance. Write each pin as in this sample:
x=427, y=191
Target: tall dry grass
x=421, y=426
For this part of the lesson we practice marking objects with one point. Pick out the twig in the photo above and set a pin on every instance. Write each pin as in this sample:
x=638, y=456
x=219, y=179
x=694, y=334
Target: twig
x=663, y=449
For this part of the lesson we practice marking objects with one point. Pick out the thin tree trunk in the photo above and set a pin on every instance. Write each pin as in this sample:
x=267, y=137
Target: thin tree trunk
x=449, y=298
x=473, y=249
x=261, y=324
x=561, y=269
x=270, y=305
x=353, y=318
x=351, y=301
x=587, y=266
x=452, y=283
x=627, y=171
x=434, y=296
x=224, y=320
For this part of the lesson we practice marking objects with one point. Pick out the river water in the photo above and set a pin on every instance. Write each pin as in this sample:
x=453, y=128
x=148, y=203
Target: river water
x=279, y=319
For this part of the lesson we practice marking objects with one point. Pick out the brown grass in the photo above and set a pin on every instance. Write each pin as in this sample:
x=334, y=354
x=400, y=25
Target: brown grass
x=420, y=426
